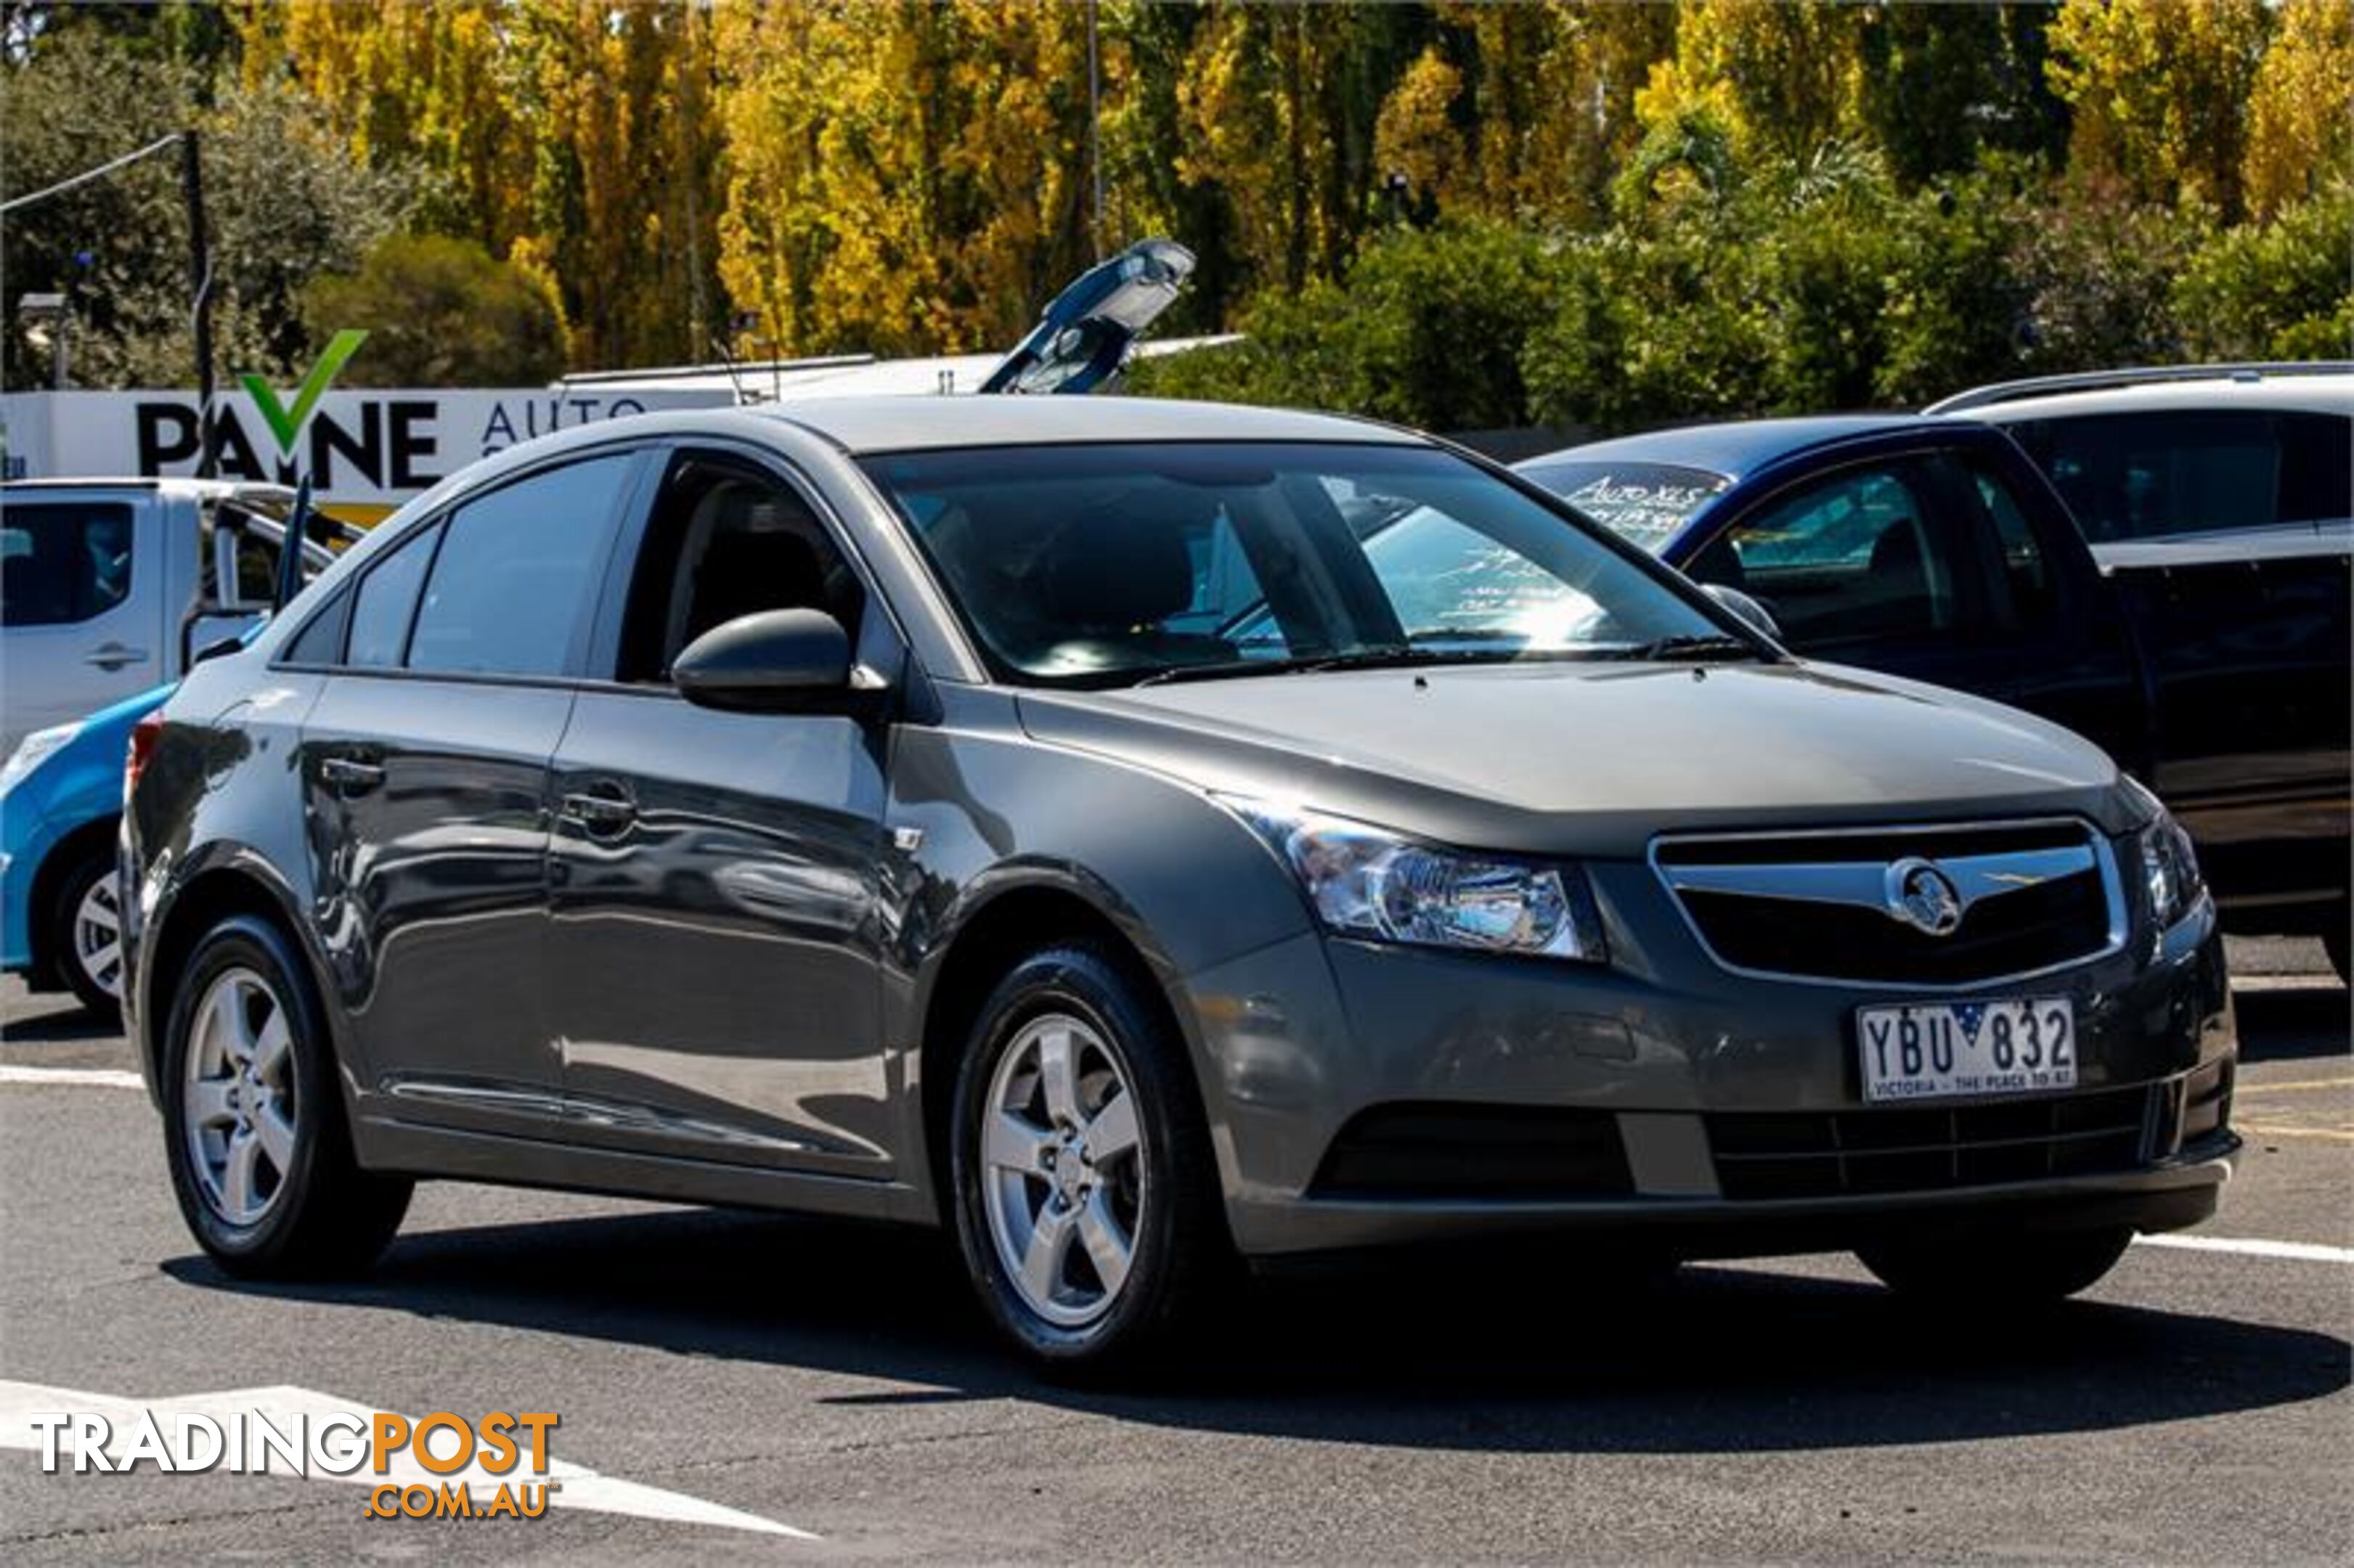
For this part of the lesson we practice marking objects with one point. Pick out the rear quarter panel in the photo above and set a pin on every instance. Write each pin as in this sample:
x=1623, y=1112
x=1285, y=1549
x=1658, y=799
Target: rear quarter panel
x=219, y=794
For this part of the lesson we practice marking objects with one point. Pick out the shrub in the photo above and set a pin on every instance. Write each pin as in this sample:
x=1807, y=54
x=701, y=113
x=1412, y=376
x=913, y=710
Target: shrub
x=2273, y=290
x=439, y=312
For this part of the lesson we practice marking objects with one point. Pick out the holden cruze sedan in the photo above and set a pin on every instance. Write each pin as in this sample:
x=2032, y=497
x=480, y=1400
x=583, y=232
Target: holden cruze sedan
x=1138, y=837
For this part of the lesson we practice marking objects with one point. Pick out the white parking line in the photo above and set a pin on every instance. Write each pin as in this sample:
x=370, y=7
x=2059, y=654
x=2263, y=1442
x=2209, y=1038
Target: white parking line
x=2303, y=1252
x=73, y=1077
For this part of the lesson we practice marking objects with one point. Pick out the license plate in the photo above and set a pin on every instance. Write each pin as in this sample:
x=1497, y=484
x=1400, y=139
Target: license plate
x=1934, y=1050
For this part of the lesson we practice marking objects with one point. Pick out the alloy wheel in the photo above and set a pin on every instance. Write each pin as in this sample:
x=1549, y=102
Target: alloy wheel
x=1062, y=1170
x=238, y=1098
x=97, y=936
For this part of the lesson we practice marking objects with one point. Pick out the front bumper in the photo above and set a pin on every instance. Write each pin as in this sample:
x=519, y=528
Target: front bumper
x=1666, y=1062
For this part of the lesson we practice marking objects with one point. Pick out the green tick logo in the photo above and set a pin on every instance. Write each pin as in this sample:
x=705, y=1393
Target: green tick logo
x=286, y=423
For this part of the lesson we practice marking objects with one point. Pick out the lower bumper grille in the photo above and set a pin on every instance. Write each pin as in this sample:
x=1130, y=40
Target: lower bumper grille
x=1476, y=1151
x=1830, y=1154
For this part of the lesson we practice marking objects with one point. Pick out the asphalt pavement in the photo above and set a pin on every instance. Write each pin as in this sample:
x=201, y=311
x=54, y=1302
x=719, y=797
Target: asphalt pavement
x=790, y=1389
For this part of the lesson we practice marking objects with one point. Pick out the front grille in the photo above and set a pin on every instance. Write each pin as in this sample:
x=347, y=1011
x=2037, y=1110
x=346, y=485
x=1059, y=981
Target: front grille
x=1814, y=906
x=1410, y=1151
x=1829, y=1154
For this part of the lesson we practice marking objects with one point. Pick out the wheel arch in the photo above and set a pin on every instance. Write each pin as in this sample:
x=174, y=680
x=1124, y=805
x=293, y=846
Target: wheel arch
x=97, y=835
x=207, y=899
x=997, y=929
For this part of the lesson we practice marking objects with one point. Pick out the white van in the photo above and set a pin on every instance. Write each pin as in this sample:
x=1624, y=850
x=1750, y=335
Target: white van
x=109, y=587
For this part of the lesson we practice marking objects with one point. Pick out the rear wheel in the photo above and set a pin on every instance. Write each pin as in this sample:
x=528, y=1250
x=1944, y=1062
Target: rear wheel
x=1994, y=1266
x=86, y=934
x=253, y=1117
x=1086, y=1194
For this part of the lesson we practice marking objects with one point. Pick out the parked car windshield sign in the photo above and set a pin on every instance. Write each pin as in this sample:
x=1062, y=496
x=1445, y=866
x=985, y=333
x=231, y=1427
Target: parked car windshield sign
x=1644, y=503
x=1110, y=564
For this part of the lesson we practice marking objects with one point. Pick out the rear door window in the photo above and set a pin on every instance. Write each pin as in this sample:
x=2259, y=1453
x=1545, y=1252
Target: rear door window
x=2153, y=476
x=63, y=562
x=513, y=581
x=387, y=603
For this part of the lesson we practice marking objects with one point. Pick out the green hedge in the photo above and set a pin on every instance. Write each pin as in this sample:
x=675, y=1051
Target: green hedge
x=1824, y=289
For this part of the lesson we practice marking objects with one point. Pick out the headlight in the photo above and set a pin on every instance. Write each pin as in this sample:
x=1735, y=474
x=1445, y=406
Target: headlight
x=2170, y=868
x=1367, y=882
x=33, y=750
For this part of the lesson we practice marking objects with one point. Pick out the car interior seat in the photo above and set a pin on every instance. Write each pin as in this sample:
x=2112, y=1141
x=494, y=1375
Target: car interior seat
x=1108, y=581
x=744, y=551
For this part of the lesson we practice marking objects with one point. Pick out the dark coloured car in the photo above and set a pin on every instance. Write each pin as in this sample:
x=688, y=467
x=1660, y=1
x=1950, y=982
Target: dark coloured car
x=1139, y=836
x=2214, y=665
x=2183, y=454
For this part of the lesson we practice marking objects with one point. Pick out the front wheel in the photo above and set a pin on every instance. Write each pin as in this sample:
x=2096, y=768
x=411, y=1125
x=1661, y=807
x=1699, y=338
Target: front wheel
x=1998, y=1266
x=1086, y=1194
x=86, y=934
x=253, y=1118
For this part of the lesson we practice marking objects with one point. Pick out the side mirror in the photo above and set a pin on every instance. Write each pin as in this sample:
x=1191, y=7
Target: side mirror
x=208, y=630
x=774, y=662
x=220, y=648
x=1752, y=613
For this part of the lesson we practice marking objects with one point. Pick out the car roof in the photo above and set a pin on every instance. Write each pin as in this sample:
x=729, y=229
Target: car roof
x=1737, y=446
x=2327, y=393
x=862, y=425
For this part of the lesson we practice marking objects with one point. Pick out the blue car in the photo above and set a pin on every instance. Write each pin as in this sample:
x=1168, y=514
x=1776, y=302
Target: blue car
x=61, y=799
x=61, y=803
x=2212, y=666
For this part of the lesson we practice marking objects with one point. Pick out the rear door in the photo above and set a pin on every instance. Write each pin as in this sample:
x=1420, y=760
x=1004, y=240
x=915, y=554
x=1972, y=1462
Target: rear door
x=2247, y=639
x=717, y=950
x=81, y=604
x=425, y=768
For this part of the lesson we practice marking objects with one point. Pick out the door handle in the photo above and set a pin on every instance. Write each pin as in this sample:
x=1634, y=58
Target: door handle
x=349, y=775
x=114, y=656
x=600, y=813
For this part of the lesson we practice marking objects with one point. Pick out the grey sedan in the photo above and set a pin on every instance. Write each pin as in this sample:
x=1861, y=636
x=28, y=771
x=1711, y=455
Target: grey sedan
x=1139, y=838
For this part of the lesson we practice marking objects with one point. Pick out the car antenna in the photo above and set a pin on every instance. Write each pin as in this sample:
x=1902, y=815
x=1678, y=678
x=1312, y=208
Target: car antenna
x=289, y=547
x=743, y=323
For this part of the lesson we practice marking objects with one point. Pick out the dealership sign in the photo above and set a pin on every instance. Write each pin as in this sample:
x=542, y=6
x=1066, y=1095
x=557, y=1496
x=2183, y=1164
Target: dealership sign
x=365, y=448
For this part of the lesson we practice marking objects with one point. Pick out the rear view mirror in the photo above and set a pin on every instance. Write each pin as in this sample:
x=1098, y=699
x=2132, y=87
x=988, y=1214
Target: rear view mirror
x=1753, y=614
x=776, y=660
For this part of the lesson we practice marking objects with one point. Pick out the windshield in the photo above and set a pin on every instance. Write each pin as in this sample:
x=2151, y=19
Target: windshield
x=1644, y=503
x=1110, y=564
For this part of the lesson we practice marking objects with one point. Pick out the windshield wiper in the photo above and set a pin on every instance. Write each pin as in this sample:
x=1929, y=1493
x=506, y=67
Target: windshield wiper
x=1230, y=669
x=1382, y=656
x=1690, y=646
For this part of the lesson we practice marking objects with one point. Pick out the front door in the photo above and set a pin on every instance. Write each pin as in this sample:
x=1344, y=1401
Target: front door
x=714, y=957
x=81, y=607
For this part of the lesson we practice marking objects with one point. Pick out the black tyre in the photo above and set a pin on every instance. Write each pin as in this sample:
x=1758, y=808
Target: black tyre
x=1994, y=1266
x=253, y=1116
x=1087, y=1197
x=86, y=933
x=2334, y=939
